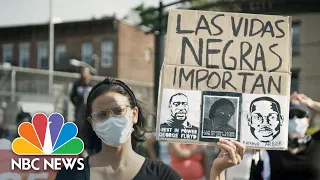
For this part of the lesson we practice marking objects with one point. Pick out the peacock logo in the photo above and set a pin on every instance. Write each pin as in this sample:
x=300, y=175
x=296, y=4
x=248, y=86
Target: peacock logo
x=47, y=136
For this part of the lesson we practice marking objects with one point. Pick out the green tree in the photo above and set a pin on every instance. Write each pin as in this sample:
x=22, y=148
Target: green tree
x=150, y=19
x=222, y=8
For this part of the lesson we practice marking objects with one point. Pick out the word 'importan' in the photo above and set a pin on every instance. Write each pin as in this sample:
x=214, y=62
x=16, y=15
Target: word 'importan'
x=235, y=81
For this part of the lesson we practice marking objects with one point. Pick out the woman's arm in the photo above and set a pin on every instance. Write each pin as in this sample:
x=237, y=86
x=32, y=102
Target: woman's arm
x=177, y=151
x=231, y=154
x=215, y=175
x=150, y=147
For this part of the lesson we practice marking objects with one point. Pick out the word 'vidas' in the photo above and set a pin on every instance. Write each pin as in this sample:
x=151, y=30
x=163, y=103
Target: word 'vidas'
x=248, y=27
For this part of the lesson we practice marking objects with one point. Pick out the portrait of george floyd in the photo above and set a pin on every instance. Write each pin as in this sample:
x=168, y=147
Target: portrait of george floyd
x=265, y=117
x=220, y=116
x=180, y=116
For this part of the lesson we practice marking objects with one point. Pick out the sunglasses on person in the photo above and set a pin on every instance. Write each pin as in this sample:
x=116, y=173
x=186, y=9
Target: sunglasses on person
x=298, y=114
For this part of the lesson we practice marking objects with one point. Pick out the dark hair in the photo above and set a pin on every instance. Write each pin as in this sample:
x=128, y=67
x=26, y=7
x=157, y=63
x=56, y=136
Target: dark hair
x=92, y=141
x=219, y=103
x=178, y=94
x=274, y=104
x=23, y=115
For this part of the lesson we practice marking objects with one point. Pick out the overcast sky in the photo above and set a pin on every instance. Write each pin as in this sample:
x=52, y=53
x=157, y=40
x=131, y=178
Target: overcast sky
x=16, y=12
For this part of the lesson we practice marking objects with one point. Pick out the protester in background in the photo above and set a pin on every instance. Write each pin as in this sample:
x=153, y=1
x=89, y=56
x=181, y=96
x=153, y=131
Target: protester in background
x=301, y=160
x=189, y=160
x=80, y=88
x=20, y=118
x=115, y=125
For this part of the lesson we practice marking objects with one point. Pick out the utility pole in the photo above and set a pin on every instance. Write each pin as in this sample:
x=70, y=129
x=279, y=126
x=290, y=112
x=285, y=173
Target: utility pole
x=51, y=44
x=158, y=54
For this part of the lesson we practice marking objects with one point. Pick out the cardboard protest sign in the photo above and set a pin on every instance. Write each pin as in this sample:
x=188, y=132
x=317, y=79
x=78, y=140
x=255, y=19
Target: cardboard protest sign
x=225, y=75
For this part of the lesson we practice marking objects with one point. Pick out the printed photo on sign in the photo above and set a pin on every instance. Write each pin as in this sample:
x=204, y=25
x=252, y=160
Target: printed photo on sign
x=264, y=121
x=220, y=116
x=180, y=114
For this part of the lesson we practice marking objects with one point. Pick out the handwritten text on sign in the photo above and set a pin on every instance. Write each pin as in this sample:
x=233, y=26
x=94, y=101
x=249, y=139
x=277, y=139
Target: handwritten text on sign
x=222, y=48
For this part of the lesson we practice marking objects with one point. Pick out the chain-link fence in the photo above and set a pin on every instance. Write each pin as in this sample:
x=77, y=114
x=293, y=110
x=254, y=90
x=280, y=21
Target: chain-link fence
x=29, y=89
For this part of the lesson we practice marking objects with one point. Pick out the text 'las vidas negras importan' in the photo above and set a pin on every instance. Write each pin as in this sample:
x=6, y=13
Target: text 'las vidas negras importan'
x=219, y=63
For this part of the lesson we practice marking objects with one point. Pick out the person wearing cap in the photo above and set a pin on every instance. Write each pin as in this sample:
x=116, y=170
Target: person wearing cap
x=302, y=158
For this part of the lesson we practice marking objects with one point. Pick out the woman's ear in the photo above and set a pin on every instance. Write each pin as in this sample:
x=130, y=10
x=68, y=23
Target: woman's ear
x=90, y=120
x=135, y=112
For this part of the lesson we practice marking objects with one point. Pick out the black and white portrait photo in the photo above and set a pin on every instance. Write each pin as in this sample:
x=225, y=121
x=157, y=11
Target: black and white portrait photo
x=265, y=121
x=180, y=114
x=220, y=116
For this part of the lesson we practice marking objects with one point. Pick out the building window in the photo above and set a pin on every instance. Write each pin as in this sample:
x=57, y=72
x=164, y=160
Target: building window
x=61, y=52
x=86, y=52
x=107, y=54
x=42, y=55
x=295, y=39
x=294, y=80
x=7, y=53
x=24, y=54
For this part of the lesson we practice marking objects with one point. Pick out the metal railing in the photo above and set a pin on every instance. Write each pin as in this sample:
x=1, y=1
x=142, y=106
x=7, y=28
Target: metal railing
x=31, y=85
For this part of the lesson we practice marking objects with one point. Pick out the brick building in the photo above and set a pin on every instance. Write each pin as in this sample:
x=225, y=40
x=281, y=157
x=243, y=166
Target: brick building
x=122, y=50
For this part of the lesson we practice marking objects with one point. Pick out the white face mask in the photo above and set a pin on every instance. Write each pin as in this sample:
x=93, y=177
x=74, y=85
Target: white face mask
x=114, y=131
x=298, y=126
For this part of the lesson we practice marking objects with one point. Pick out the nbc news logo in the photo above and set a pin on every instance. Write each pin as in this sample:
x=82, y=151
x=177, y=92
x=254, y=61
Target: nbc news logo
x=47, y=136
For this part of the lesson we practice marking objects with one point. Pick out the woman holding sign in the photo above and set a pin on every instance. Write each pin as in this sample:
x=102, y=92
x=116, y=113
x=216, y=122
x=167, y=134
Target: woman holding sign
x=115, y=123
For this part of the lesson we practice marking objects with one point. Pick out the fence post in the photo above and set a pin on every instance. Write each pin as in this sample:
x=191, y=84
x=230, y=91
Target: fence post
x=13, y=85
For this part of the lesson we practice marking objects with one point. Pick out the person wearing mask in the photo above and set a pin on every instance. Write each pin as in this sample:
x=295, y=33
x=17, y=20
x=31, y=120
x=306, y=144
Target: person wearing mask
x=301, y=159
x=80, y=88
x=189, y=160
x=115, y=124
